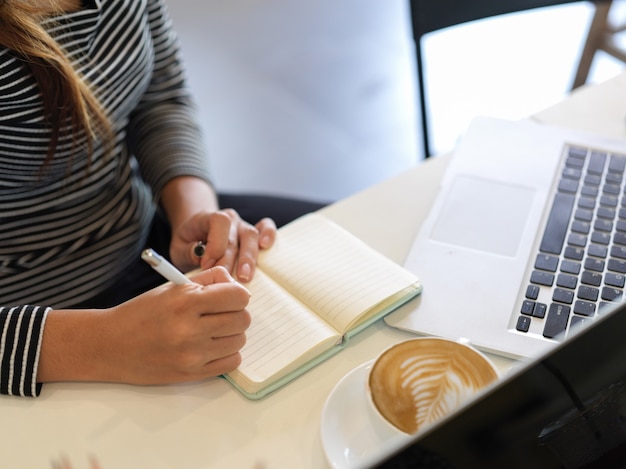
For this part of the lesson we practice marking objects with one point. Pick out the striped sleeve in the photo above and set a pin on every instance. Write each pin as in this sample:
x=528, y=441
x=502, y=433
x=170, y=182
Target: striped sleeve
x=21, y=331
x=163, y=130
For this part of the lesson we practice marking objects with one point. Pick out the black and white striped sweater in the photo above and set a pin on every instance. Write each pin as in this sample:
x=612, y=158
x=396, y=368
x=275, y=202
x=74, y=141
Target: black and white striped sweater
x=69, y=229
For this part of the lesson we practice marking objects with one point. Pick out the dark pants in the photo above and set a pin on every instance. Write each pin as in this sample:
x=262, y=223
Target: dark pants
x=140, y=277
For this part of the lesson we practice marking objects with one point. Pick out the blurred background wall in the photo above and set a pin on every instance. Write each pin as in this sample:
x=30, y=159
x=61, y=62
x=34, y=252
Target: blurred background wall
x=316, y=98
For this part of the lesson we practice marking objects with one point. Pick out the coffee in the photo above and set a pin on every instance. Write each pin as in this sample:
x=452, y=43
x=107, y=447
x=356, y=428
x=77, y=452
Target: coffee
x=416, y=382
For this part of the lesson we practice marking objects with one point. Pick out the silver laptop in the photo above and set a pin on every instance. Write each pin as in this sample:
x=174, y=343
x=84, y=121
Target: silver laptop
x=490, y=275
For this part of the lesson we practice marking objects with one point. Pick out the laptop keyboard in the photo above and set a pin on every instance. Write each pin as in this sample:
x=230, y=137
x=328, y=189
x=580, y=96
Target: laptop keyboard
x=581, y=264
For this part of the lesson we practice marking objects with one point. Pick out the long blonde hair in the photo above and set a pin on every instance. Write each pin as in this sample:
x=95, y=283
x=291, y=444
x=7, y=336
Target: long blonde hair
x=70, y=105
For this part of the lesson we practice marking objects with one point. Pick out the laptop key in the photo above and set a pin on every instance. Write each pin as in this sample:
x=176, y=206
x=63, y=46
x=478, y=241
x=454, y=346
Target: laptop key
x=614, y=280
x=527, y=307
x=556, y=321
x=617, y=265
x=570, y=267
x=583, y=214
x=617, y=163
x=601, y=238
x=596, y=162
x=591, y=278
x=572, y=173
x=563, y=296
x=523, y=324
x=609, y=201
x=546, y=262
x=612, y=189
x=596, y=265
x=606, y=212
x=566, y=281
x=558, y=221
x=574, y=253
x=603, y=306
x=532, y=292
x=603, y=225
x=588, y=293
x=589, y=190
x=586, y=203
x=597, y=250
x=576, y=239
x=619, y=252
x=614, y=178
x=586, y=308
x=578, y=321
x=611, y=294
x=581, y=227
x=568, y=185
x=542, y=278
x=593, y=179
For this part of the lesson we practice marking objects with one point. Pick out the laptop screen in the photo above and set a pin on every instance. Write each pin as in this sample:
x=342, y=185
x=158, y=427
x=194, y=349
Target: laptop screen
x=566, y=409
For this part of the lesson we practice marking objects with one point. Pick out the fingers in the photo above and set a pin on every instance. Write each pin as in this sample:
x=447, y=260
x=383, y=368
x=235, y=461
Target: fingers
x=227, y=241
x=248, y=252
x=218, y=227
x=217, y=274
x=213, y=346
x=219, y=293
x=267, y=233
x=251, y=239
x=220, y=332
x=222, y=365
x=211, y=360
x=223, y=325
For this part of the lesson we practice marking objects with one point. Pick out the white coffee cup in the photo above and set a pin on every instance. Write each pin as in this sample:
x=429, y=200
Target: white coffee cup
x=416, y=382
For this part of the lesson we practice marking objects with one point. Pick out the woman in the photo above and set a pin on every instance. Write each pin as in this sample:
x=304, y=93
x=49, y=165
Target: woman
x=100, y=158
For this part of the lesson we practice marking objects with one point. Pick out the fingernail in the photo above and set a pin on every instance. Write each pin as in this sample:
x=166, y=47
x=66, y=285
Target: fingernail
x=265, y=241
x=244, y=272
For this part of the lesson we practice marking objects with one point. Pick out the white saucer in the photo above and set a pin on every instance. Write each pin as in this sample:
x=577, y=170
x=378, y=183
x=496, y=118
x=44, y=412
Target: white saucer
x=350, y=432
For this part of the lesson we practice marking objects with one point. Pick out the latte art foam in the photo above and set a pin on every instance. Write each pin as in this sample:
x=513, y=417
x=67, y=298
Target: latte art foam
x=419, y=381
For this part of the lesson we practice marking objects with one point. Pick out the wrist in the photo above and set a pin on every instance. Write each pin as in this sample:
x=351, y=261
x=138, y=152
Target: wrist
x=185, y=196
x=75, y=346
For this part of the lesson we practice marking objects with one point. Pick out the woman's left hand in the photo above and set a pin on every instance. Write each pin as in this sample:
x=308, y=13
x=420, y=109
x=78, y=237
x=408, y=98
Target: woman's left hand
x=229, y=241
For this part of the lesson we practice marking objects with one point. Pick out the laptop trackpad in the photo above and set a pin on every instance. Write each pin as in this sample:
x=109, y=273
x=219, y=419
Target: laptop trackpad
x=484, y=215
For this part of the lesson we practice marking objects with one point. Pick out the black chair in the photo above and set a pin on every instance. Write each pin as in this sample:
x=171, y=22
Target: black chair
x=432, y=15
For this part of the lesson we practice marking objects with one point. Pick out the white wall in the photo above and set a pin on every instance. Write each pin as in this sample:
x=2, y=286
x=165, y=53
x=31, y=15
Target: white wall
x=311, y=98
x=316, y=98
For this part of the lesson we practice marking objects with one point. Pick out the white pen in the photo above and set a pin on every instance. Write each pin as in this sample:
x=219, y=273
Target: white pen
x=162, y=266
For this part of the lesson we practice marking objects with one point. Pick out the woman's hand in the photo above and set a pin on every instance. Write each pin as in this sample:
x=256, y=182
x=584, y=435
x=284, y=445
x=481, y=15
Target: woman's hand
x=229, y=242
x=173, y=333
x=191, y=207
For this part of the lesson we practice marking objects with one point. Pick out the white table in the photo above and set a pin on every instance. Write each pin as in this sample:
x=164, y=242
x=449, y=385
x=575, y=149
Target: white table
x=209, y=424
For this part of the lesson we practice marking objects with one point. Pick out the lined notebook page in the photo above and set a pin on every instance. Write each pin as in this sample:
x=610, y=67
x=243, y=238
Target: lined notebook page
x=282, y=330
x=330, y=270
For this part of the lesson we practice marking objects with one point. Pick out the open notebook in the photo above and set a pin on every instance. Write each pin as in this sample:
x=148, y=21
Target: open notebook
x=312, y=291
x=490, y=274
